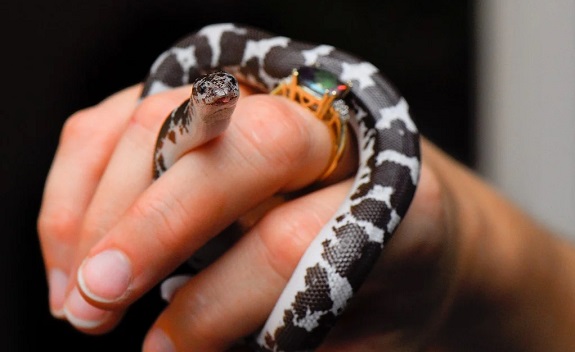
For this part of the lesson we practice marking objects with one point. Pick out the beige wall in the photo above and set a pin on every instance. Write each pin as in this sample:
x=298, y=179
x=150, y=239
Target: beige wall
x=526, y=104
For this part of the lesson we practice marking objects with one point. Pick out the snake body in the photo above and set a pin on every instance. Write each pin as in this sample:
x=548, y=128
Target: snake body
x=343, y=253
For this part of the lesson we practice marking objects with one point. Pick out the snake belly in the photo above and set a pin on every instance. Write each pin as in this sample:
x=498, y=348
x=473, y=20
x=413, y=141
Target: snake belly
x=343, y=253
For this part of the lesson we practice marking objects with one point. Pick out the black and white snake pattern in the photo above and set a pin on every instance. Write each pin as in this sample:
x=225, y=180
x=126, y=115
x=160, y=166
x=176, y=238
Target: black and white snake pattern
x=343, y=253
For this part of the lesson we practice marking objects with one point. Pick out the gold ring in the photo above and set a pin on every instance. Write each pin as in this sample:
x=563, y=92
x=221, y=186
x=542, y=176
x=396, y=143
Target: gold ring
x=320, y=91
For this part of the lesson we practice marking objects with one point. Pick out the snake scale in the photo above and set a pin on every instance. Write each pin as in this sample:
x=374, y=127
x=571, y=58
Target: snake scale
x=339, y=259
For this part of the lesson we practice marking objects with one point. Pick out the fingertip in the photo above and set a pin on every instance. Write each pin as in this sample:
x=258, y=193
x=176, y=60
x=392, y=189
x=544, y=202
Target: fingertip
x=84, y=316
x=105, y=277
x=171, y=285
x=57, y=282
x=158, y=341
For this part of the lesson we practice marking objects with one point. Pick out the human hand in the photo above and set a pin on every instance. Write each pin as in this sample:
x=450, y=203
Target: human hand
x=99, y=195
x=439, y=267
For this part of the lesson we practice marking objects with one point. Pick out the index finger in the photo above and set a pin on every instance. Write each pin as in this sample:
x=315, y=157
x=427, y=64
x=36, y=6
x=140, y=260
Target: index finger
x=86, y=143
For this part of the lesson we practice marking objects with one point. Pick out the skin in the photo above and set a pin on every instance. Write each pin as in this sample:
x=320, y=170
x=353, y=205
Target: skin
x=466, y=271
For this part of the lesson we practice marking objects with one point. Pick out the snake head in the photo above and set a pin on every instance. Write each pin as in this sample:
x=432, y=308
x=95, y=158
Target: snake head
x=217, y=88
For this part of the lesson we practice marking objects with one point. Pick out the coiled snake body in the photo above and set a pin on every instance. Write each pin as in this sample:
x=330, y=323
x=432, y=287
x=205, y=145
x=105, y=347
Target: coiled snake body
x=341, y=256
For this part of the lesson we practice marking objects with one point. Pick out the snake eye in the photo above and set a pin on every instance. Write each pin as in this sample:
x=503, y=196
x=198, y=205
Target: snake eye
x=201, y=89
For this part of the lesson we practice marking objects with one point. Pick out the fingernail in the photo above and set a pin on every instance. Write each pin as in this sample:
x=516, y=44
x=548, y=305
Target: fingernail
x=106, y=276
x=171, y=285
x=81, y=314
x=57, y=282
x=158, y=341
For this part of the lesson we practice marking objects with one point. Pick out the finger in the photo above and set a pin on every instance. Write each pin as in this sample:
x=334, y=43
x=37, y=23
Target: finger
x=130, y=156
x=90, y=320
x=86, y=144
x=272, y=145
x=232, y=298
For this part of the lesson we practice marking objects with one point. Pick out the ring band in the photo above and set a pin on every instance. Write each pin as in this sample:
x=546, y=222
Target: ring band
x=321, y=92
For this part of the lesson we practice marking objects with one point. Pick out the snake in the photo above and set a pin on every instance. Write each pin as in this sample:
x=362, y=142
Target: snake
x=343, y=253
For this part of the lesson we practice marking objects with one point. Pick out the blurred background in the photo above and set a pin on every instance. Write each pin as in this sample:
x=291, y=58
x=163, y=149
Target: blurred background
x=492, y=82
x=525, y=107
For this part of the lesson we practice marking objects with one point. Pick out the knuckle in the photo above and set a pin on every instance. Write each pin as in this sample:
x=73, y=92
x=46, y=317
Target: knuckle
x=279, y=135
x=79, y=125
x=88, y=128
x=58, y=224
x=164, y=216
x=152, y=111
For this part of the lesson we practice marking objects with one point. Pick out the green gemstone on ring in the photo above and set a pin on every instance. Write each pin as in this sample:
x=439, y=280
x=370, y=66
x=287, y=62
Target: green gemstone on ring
x=320, y=81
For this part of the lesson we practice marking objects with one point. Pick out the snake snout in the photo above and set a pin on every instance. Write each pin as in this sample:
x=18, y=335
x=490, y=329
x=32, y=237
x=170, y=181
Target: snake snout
x=223, y=97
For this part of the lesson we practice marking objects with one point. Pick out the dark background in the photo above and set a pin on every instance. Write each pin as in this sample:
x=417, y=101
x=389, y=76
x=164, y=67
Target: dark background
x=60, y=56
